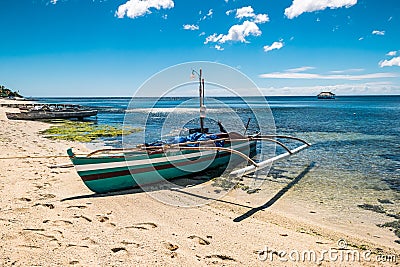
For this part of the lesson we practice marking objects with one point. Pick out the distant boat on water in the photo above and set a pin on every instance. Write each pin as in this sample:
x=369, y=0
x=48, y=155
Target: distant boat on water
x=326, y=95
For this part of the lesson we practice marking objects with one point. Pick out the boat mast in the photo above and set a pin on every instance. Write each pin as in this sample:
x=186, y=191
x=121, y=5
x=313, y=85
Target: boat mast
x=201, y=95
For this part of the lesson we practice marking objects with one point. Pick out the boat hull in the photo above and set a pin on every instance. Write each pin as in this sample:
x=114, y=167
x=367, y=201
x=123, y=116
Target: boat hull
x=45, y=115
x=114, y=173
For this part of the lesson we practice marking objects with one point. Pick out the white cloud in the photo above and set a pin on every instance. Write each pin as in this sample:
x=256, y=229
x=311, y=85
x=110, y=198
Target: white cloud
x=212, y=38
x=229, y=12
x=361, y=38
x=218, y=47
x=392, y=53
x=245, y=12
x=261, y=18
x=391, y=62
x=190, y=27
x=295, y=75
x=53, y=1
x=378, y=32
x=274, y=45
x=138, y=8
x=239, y=32
x=236, y=33
x=248, y=12
x=346, y=71
x=301, y=69
x=299, y=7
x=209, y=14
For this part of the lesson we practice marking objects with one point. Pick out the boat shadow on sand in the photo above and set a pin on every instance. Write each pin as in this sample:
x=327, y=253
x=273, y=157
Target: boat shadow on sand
x=199, y=179
x=277, y=196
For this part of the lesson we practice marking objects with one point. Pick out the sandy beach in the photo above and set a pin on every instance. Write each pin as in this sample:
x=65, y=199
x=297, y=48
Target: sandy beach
x=49, y=218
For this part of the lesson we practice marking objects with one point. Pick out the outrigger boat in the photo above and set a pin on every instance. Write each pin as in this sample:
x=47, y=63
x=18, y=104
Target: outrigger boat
x=108, y=170
x=51, y=111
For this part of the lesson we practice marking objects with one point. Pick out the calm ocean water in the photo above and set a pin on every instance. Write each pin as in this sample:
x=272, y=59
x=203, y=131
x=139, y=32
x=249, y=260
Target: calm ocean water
x=356, y=139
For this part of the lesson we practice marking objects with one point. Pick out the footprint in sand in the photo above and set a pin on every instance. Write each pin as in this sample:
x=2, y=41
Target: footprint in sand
x=24, y=199
x=115, y=250
x=83, y=217
x=200, y=240
x=46, y=196
x=62, y=222
x=127, y=243
x=34, y=229
x=170, y=246
x=77, y=207
x=143, y=226
x=75, y=245
x=219, y=256
x=28, y=246
x=91, y=241
x=102, y=218
x=51, y=237
x=47, y=205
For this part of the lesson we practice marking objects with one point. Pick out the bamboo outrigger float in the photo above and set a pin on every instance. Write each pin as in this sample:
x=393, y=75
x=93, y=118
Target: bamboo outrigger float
x=109, y=170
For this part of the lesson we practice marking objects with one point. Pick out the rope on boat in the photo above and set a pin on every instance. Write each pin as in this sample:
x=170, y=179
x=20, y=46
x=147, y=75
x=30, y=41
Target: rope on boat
x=39, y=157
x=65, y=165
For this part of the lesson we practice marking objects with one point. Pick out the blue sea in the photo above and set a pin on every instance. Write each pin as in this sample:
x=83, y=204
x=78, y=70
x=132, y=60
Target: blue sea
x=355, y=139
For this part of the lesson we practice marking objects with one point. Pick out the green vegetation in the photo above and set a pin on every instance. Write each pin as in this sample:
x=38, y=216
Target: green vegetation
x=84, y=131
x=5, y=92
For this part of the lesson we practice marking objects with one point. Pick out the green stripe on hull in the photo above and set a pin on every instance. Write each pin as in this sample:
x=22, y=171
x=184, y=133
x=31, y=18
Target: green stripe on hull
x=129, y=181
x=114, y=179
x=106, y=185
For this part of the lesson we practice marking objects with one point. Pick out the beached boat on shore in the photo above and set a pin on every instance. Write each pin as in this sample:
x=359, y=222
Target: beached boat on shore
x=110, y=170
x=51, y=113
x=104, y=172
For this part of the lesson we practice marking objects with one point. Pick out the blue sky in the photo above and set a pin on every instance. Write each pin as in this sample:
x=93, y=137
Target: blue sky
x=287, y=47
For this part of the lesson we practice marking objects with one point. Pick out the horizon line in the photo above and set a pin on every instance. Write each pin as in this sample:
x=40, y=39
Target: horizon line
x=88, y=96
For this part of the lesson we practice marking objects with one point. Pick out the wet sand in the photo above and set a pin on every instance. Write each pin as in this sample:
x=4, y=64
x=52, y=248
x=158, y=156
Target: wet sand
x=49, y=218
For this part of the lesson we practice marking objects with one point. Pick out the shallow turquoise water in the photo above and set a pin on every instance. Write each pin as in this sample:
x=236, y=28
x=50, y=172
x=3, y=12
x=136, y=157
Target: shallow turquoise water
x=356, y=139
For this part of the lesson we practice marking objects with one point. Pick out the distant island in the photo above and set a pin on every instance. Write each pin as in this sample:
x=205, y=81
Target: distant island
x=5, y=92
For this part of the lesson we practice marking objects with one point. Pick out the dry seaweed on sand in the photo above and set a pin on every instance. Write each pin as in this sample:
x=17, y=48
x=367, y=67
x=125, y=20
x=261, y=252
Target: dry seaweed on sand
x=375, y=208
x=395, y=225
